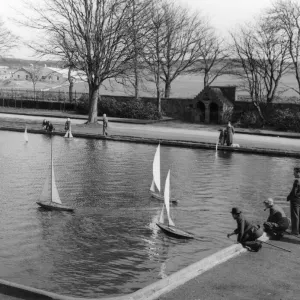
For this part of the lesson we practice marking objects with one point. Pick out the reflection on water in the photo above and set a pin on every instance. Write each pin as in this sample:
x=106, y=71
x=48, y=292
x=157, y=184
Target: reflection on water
x=111, y=244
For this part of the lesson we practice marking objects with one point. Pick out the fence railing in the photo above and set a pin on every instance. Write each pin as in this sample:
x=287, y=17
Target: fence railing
x=52, y=96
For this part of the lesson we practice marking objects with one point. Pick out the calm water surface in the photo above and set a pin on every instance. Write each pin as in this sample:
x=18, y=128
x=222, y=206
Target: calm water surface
x=111, y=245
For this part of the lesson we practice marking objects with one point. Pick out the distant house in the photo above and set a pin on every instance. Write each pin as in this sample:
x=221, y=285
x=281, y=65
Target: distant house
x=46, y=74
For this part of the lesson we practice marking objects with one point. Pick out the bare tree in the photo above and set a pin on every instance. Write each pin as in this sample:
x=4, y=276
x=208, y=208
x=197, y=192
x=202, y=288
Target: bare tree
x=262, y=60
x=35, y=74
x=153, y=50
x=284, y=17
x=214, y=57
x=182, y=42
x=94, y=31
x=138, y=33
x=7, y=39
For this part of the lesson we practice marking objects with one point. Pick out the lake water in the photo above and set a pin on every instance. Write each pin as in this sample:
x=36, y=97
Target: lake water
x=111, y=244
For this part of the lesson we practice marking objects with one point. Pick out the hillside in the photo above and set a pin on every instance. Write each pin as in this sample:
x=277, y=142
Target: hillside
x=15, y=63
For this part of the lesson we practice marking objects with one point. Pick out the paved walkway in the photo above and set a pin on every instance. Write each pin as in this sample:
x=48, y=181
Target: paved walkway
x=167, y=132
x=269, y=274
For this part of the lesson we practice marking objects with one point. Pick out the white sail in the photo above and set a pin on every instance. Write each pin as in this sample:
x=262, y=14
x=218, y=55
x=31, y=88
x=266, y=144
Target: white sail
x=46, y=192
x=167, y=198
x=26, y=135
x=55, y=195
x=152, y=188
x=156, y=168
x=217, y=145
x=161, y=217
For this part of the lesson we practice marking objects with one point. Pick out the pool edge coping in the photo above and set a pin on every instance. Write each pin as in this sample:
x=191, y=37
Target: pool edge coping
x=150, y=292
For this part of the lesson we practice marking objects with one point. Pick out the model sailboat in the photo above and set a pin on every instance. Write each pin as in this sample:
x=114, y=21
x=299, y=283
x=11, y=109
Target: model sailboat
x=49, y=198
x=155, y=186
x=170, y=228
x=26, y=134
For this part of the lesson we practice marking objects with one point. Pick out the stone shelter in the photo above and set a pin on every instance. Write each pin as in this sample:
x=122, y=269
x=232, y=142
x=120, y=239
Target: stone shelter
x=211, y=104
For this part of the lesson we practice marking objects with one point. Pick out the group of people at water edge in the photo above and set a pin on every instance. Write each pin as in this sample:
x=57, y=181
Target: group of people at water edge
x=276, y=224
x=226, y=135
x=48, y=126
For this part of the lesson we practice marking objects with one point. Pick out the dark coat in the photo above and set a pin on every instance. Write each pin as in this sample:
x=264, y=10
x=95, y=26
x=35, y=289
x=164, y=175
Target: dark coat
x=245, y=230
x=229, y=135
x=294, y=195
x=276, y=214
x=68, y=125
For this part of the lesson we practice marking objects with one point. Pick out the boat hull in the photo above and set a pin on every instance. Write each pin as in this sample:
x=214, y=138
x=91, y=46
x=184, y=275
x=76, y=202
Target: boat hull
x=161, y=197
x=55, y=206
x=174, y=232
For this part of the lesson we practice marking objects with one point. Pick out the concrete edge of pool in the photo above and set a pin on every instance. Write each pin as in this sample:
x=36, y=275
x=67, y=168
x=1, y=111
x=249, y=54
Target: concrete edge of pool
x=150, y=292
x=166, y=142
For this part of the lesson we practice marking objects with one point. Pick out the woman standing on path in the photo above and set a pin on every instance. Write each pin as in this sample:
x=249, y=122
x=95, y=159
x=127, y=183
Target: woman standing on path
x=229, y=134
x=294, y=198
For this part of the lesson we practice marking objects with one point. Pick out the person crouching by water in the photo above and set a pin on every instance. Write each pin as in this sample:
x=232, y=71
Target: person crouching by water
x=294, y=198
x=68, y=128
x=229, y=134
x=277, y=222
x=222, y=137
x=50, y=128
x=105, y=125
x=246, y=231
x=45, y=123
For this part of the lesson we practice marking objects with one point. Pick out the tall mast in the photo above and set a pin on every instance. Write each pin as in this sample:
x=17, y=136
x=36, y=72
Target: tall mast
x=51, y=164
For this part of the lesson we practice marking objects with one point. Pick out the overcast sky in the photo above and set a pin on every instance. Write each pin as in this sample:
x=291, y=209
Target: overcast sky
x=223, y=14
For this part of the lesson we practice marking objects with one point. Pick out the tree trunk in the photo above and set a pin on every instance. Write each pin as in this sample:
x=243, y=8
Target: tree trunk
x=259, y=110
x=34, y=96
x=71, y=84
x=167, y=89
x=93, y=103
x=136, y=83
x=158, y=99
x=71, y=91
x=205, y=79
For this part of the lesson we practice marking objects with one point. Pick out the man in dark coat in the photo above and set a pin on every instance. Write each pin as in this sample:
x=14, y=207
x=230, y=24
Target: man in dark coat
x=229, y=134
x=294, y=198
x=277, y=222
x=246, y=231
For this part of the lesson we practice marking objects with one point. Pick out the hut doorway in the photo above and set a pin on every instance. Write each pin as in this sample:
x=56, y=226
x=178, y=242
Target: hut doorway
x=201, y=111
x=214, y=113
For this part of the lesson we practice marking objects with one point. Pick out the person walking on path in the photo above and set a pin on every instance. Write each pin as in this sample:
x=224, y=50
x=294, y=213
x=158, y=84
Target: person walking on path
x=229, y=134
x=68, y=128
x=246, y=231
x=294, y=198
x=277, y=222
x=105, y=125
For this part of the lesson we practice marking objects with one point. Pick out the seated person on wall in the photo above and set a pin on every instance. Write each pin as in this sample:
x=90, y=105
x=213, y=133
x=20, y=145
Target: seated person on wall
x=247, y=232
x=277, y=222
